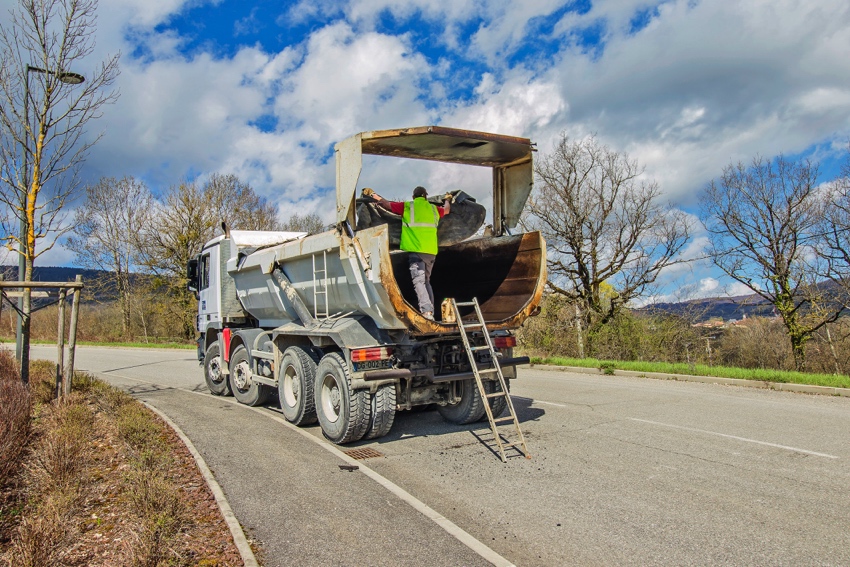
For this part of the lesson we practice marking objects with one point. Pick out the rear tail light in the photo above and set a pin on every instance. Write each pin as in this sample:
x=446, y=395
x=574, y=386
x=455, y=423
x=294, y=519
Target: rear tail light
x=504, y=342
x=366, y=354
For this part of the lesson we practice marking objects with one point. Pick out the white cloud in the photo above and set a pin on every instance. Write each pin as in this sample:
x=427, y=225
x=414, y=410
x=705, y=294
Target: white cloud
x=709, y=82
x=350, y=82
x=521, y=106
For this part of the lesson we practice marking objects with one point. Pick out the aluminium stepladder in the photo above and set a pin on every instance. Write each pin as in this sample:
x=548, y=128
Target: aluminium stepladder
x=496, y=369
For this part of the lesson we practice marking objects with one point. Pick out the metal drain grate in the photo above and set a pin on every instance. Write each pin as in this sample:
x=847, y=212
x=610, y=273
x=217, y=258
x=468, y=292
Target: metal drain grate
x=364, y=453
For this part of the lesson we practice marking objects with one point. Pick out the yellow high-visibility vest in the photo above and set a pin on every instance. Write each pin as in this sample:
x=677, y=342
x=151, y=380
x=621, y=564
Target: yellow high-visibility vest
x=419, y=226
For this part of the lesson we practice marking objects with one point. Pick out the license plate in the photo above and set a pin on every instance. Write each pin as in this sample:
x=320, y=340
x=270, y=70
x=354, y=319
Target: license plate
x=372, y=365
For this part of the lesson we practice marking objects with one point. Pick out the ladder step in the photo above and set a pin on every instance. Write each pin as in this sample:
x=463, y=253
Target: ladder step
x=503, y=419
x=496, y=395
x=472, y=326
x=465, y=304
x=477, y=348
x=487, y=370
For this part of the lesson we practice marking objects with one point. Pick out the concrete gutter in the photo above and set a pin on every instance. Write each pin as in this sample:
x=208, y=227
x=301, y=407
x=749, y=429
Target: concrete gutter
x=799, y=388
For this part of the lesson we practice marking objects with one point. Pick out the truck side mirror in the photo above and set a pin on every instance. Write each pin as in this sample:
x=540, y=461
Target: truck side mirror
x=192, y=276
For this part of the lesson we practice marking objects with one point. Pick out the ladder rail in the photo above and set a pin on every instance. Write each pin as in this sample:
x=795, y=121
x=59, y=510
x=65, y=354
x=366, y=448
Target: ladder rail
x=495, y=362
x=497, y=369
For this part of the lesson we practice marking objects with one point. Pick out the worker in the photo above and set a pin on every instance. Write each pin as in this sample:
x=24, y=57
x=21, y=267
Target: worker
x=419, y=220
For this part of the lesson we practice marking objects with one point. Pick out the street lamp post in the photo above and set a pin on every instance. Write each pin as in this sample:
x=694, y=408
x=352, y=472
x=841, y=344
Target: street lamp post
x=68, y=78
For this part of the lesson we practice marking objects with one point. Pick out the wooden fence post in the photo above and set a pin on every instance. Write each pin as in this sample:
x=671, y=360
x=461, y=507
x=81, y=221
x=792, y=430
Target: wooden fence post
x=60, y=346
x=72, y=331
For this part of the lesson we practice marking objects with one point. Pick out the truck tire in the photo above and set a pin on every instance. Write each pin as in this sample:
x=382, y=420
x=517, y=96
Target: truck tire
x=383, y=412
x=343, y=413
x=245, y=390
x=295, y=385
x=497, y=405
x=469, y=409
x=217, y=382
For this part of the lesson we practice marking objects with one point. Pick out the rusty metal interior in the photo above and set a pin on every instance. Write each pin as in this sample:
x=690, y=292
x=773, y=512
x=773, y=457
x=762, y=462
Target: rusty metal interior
x=504, y=273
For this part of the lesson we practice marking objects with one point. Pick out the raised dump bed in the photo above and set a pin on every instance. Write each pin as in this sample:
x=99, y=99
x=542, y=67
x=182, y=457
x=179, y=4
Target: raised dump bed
x=505, y=273
x=331, y=322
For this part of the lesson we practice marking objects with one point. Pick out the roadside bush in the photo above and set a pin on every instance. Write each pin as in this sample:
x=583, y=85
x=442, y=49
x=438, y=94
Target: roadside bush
x=651, y=337
x=56, y=480
x=552, y=332
x=44, y=536
x=63, y=466
x=63, y=449
x=760, y=343
x=42, y=381
x=108, y=398
x=15, y=410
x=154, y=498
x=136, y=426
x=160, y=515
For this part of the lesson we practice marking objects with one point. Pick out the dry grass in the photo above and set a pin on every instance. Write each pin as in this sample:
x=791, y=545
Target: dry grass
x=44, y=538
x=55, y=479
x=159, y=513
x=104, y=482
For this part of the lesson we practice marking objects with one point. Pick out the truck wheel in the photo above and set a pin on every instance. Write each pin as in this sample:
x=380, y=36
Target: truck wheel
x=295, y=386
x=469, y=409
x=245, y=390
x=497, y=405
x=216, y=381
x=383, y=412
x=342, y=412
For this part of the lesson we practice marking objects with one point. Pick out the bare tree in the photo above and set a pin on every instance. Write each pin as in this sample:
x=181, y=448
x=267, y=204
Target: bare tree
x=310, y=223
x=764, y=224
x=230, y=200
x=44, y=112
x=104, y=233
x=836, y=232
x=608, y=236
x=185, y=220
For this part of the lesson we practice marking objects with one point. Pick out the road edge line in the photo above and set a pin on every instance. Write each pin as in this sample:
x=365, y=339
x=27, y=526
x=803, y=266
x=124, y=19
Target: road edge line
x=239, y=539
x=448, y=526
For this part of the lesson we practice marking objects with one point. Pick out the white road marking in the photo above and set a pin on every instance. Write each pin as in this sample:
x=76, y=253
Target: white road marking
x=450, y=527
x=787, y=448
x=532, y=400
x=549, y=403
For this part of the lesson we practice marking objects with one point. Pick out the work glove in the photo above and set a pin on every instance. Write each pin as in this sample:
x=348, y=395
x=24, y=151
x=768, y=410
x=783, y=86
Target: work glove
x=368, y=192
x=449, y=197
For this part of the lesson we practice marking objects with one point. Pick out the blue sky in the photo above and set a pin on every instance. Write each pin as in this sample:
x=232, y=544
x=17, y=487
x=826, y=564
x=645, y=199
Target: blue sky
x=264, y=89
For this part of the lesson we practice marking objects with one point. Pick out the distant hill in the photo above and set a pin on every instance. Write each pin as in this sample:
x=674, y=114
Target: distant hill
x=726, y=308
x=54, y=274
x=98, y=283
x=739, y=307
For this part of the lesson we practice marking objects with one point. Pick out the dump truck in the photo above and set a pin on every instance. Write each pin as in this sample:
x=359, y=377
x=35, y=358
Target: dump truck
x=329, y=322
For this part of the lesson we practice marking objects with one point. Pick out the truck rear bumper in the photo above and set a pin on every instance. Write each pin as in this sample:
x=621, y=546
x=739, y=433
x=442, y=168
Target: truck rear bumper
x=399, y=373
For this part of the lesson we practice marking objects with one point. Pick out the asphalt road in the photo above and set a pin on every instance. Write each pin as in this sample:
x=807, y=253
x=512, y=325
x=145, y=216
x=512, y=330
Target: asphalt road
x=625, y=471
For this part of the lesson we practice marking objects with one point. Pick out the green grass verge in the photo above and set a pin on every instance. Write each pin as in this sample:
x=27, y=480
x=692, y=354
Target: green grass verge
x=787, y=377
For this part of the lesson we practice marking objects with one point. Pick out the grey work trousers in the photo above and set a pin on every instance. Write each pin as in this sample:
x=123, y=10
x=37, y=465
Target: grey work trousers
x=420, y=272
